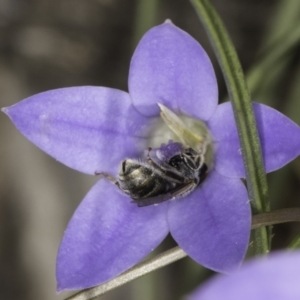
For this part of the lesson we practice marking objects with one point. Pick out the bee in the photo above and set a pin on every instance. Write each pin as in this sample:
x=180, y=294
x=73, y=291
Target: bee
x=166, y=173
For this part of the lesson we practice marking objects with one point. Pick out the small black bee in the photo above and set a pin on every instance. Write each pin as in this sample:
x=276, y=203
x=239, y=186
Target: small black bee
x=161, y=177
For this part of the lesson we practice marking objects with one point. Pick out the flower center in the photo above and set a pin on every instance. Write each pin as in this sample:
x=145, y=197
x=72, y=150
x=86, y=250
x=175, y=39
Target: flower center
x=178, y=159
x=190, y=132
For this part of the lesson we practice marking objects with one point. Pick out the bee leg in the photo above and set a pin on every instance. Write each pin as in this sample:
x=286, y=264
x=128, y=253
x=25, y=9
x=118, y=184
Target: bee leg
x=203, y=152
x=149, y=160
x=108, y=177
x=166, y=170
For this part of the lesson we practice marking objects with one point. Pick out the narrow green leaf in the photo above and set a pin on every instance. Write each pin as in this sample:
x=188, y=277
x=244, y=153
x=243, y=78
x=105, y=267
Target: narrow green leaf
x=295, y=243
x=273, y=62
x=285, y=19
x=239, y=95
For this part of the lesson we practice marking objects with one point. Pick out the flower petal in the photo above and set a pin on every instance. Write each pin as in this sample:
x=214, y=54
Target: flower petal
x=212, y=225
x=90, y=129
x=170, y=67
x=279, y=136
x=274, y=278
x=107, y=235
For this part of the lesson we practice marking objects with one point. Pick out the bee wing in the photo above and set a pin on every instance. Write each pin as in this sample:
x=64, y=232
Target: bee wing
x=178, y=192
x=153, y=200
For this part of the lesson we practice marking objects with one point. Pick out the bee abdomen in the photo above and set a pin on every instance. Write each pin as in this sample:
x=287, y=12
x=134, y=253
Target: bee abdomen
x=140, y=181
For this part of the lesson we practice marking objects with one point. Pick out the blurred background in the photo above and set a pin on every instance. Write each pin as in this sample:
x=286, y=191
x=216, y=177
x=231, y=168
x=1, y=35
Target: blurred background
x=48, y=44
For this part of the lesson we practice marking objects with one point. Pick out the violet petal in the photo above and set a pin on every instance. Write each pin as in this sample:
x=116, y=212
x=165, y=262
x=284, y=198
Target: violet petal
x=275, y=277
x=170, y=67
x=90, y=129
x=213, y=223
x=279, y=136
x=107, y=235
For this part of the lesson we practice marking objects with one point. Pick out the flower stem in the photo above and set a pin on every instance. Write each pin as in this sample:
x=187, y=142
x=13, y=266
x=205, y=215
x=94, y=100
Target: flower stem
x=176, y=253
x=276, y=217
x=244, y=117
x=139, y=270
x=146, y=13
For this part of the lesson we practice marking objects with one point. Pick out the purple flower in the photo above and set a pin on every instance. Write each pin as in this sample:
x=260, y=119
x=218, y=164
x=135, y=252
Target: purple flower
x=92, y=129
x=275, y=277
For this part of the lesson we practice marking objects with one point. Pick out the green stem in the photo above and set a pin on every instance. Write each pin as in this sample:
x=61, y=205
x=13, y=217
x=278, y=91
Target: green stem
x=139, y=270
x=244, y=117
x=276, y=217
x=146, y=13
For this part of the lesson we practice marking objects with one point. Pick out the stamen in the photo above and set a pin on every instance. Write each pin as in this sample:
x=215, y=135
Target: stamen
x=186, y=135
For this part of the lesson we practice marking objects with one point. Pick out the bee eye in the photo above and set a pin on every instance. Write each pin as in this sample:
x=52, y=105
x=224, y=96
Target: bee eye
x=175, y=161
